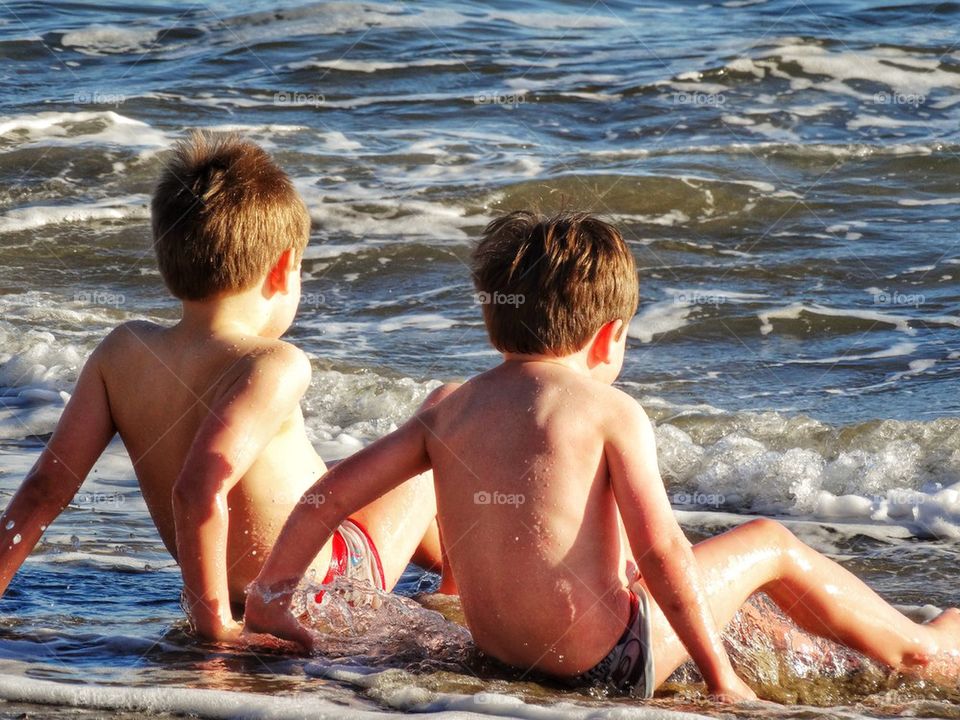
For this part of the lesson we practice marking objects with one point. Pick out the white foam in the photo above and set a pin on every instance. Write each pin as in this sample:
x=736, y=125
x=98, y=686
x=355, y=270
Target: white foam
x=346, y=410
x=394, y=688
x=897, y=350
x=658, y=318
x=361, y=212
x=372, y=66
x=178, y=701
x=110, y=39
x=530, y=84
x=876, y=65
x=81, y=128
x=423, y=321
x=556, y=21
x=915, y=202
x=794, y=311
x=130, y=207
x=839, y=151
x=893, y=475
x=334, y=18
x=882, y=121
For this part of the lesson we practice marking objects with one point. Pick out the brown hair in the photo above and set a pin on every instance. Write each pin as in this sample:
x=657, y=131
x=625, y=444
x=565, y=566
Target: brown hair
x=223, y=213
x=548, y=283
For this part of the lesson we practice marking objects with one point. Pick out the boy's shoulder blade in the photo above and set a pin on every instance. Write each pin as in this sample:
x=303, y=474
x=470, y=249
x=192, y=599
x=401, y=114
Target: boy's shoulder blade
x=278, y=359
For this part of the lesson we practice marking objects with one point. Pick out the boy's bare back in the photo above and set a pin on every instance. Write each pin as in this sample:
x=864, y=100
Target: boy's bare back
x=162, y=384
x=527, y=513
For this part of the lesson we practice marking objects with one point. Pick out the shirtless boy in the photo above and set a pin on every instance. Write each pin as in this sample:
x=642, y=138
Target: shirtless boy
x=533, y=462
x=208, y=409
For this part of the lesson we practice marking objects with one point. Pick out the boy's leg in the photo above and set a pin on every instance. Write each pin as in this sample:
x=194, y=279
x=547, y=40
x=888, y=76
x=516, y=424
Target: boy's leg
x=403, y=523
x=817, y=593
x=429, y=554
x=397, y=523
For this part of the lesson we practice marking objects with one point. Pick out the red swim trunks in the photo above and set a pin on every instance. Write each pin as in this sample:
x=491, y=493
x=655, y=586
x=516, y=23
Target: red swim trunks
x=355, y=557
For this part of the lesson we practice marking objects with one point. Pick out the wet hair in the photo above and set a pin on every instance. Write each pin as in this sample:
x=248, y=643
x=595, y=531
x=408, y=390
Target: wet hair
x=547, y=284
x=223, y=212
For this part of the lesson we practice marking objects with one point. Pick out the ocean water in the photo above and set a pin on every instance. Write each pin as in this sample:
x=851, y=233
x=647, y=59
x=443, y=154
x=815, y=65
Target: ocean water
x=785, y=172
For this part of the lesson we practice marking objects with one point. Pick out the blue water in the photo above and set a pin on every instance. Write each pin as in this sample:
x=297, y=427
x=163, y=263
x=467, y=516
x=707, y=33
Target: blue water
x=785, y=172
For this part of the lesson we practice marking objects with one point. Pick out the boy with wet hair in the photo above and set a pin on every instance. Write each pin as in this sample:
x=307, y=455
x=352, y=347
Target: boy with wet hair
x=536, y=461
x=208, y=409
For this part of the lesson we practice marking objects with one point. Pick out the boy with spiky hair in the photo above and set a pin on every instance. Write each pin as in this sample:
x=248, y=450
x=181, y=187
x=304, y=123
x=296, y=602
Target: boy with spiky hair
x=208, y=409
x=536, y=461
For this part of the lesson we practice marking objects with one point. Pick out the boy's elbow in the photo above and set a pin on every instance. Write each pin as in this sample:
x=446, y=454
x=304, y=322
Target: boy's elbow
x=193, y=489
x=49, y=483
x=666, y=552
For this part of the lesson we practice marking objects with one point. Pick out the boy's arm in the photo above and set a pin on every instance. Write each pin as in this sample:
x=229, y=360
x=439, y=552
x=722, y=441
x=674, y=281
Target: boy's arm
x=237, y=429
x=84, y=430
x=663, y=553
x=353, y=484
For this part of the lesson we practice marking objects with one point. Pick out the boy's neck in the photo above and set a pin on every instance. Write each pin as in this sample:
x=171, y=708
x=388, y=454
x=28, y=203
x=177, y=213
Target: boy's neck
x=243, y=313
x=577, y=362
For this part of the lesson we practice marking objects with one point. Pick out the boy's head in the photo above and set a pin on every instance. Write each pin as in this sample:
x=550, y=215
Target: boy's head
x=548, y=284
x=223, y=214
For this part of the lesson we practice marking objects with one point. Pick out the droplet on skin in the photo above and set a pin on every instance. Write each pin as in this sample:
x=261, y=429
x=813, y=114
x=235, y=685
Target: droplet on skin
x=254, y=552
x=10, y=524
x=43, y=528
x=16, y=539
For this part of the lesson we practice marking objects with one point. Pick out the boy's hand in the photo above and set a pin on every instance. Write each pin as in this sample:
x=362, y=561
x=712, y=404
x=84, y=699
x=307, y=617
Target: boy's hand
x=733, y=690
x=223, y=632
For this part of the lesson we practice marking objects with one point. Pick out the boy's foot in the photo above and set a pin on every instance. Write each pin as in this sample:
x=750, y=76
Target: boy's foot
x=948, y=622
x=944, y=663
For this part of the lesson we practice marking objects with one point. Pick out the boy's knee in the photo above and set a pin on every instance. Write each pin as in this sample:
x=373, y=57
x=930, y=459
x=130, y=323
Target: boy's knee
x=771, y=530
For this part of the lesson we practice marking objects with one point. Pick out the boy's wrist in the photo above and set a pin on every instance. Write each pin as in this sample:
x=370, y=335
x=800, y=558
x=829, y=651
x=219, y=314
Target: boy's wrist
x=268, y=593
x=722, y=677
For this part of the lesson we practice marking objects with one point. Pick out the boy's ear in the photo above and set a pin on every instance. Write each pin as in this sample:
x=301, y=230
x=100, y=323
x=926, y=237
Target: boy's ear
x=278, y=277
x=604, y=343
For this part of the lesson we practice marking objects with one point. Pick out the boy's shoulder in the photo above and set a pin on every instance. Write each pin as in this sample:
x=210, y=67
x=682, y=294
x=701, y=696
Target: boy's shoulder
x=125, y=338
x=277, y=356
x=586, y=397
x=255, y=357
x=609, y=409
